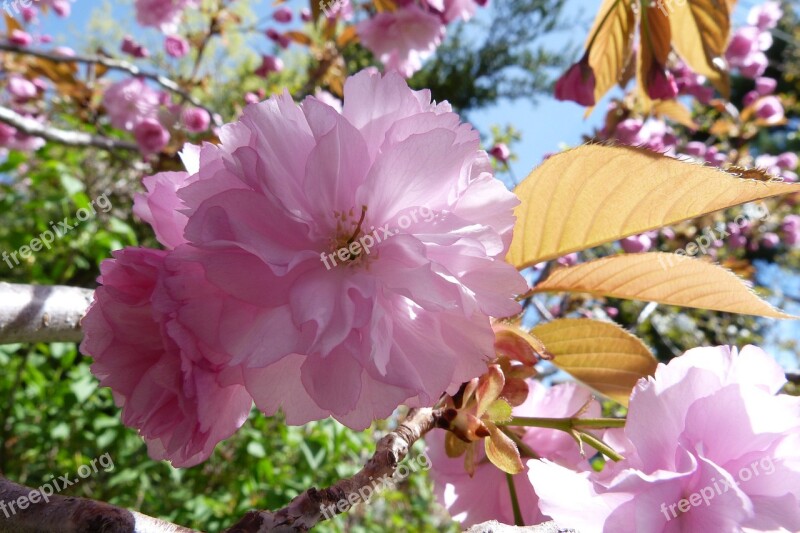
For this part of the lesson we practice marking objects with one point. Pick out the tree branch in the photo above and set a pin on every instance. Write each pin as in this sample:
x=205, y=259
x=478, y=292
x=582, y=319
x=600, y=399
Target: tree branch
x=305, y=511
x=35, y=128
x=37, y=313
x=112, y=64
x=69, y=514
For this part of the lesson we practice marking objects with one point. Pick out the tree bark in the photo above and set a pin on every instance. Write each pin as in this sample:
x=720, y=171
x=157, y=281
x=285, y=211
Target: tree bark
x=37, y=313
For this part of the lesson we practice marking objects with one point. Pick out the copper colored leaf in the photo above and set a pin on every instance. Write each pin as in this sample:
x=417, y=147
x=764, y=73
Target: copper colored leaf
x=700, y=31
x=676, y=112
x=595, y=194
x=349, y=35
x=515, y=391
x=600, y=354
x=502, y=451
x=453, y=446
x=609, y=44
x=384, y=5
x=299, y=37
x=669, y=279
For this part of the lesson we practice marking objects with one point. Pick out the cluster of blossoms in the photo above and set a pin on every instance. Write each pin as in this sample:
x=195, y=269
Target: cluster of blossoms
x=745, y=52
x=403, y=38
x=132, y=105
x=747, y=45
x=709, y=445
x=24, y=96
x=239, y=307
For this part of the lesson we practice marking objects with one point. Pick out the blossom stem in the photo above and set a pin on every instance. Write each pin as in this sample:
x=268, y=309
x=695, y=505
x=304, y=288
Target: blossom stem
x=514, y=501
x=573, y=426
x=565, y=424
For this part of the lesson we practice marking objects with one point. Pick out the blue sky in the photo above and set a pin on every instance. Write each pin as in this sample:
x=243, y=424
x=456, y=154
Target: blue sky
x=546, y=125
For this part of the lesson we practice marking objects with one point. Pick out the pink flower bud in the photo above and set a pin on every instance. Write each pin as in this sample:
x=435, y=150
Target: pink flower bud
x=29, y=14
x=176, y=46
x=769, y=108
x=279, y=38
x=20, y=38
x=305, y=15
x=770, y=241
x=636, y=244
x=61, y=7
x=21, y=88
x=269, y=64
x=500, y=152
x=577, y=84
x=195, y=119
x=787, y=161
x=150, y=136
x=282, y=14
x=765, y=86
x=750, y=97
x=695, y=149
x=132, y=48
x=661, y=84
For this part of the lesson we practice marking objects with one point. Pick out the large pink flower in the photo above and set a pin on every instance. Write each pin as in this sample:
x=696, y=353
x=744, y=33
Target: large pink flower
x=128, y=102
x=402, y=39
x=162, y=14
x=173, y=382
x=485, y=496
x=368, y=246
x=709, y=446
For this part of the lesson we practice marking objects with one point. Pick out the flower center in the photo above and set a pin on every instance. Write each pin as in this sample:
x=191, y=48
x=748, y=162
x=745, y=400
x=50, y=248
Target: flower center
x=345, y=245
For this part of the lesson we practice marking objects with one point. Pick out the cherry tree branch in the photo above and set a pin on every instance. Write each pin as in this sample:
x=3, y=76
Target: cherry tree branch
x=69, y=514
x=313, y=506
x=37, y=313
x=35, y=128
x=113, y=64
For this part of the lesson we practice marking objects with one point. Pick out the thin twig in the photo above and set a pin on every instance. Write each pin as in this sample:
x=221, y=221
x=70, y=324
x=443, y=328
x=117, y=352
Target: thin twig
x=113, y=64
x=35, y=128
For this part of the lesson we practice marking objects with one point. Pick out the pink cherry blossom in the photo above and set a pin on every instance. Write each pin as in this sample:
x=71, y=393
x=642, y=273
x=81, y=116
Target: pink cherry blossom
x=577, y=84
x=176, y=46
x=269, y=64
x=162, y=14
x=770, y=109
x=661, y=84
x=21, y=88
x=765, y=16
x=458, y=9
x=636, y=244
x=709, y=446
x=485, y=496
x=402, y=39
x=195, y=119
x=765, y=86
x=351, y=335
x=130, y=101
x=150, y=135
x=166, y=377
x=20, y=38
